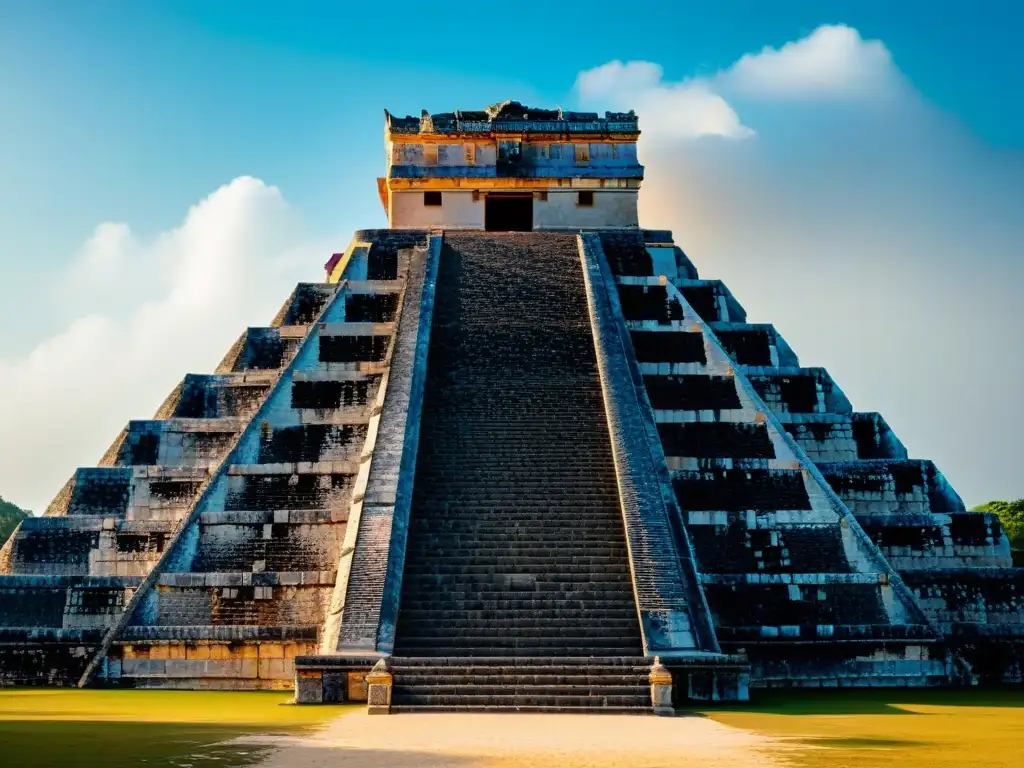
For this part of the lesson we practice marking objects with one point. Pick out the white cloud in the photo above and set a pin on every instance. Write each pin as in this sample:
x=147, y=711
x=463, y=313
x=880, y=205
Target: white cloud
x=879, y=236
x=833, y=61
x=618, y=79
x=686, y=110
x=150, y=312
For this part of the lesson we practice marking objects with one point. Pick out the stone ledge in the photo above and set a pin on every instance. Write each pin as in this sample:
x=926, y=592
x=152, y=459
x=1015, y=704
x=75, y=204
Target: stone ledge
x=357, y=329
x=792, y=578
x=62, y=582
x=916, y=634
x=279, y=516
x=296, y=468
x=20, y=635
x=216, y=633
x=264, y=579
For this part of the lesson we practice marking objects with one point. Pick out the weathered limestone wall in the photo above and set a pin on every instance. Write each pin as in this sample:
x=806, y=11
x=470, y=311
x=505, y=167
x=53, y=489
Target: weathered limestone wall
x=542, y=159
x=50, y=625
x=674, y=615
x=247, y=583
x=782, y=560
x=955, y=562
x=981, y=613
x=612, y=208
x=212, y=664
x=458, y=210
x=109, y=526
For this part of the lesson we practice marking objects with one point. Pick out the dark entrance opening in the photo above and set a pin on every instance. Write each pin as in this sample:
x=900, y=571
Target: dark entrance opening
x=508, y=212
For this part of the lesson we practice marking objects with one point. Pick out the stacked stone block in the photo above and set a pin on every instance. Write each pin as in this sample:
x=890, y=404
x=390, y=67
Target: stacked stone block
x=745, y=513
x=246, y=586
x=782, y=561
x=114, y=522
x=66, y=578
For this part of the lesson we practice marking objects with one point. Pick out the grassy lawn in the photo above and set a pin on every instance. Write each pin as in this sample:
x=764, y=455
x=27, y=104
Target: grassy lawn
x=115, y=729
x=866, y=729
x=885, y=729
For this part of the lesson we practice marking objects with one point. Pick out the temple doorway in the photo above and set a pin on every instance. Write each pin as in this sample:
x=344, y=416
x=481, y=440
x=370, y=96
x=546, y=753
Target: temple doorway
x=508, y=212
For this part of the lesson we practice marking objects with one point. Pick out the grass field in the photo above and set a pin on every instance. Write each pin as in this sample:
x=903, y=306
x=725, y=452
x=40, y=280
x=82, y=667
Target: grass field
x=118, y=729
x=866, y=729
x=886, y=729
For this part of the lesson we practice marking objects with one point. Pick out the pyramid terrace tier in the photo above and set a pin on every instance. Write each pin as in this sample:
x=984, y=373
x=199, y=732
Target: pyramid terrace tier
x=260, y=555
x=50, y=626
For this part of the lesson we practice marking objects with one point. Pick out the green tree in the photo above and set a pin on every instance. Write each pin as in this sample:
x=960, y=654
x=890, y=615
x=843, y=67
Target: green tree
x=10, y=516
x=1011, y=515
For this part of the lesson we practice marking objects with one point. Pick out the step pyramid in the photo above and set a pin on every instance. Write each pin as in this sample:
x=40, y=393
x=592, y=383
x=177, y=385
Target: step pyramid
x=517, y=466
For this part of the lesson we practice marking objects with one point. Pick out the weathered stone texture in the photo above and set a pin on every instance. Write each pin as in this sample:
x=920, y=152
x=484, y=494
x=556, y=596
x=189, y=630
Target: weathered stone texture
x=613, y=461
x=754, y=521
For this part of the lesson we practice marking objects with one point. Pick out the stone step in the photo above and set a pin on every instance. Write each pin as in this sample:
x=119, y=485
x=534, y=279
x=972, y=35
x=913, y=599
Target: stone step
x=513, y=636
x=569, y=515
x=553, y=569
x=512, y=700
x=519, y=548
x=546, y=686
x=523, y=651
x=541, y=622
x=519, y=498
x=501, y=641
x=580, y=543
x=470, y=528
x=601, y=570
x=542, y=627
x=450, y=677
x=524, y=601
x=511, y=610
x=460, y=587
x=510, y=616
x=526, y=495
x=567, y=512
x=568, y=519
x=539, y=709
x=603, y=662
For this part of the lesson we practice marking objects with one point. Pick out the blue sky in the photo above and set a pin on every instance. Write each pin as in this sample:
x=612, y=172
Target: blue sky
x=884, y=226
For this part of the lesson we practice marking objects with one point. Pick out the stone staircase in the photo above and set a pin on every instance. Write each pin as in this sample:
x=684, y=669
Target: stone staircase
x=516, y=590
x=607, y=684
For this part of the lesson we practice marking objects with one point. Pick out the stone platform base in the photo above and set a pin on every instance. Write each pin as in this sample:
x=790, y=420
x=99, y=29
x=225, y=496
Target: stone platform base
x=700, y=677
x=331, y=679
x=709, y=677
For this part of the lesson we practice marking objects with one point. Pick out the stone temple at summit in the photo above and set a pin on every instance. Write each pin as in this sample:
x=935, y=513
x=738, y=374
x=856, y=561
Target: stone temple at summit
x=509, y=452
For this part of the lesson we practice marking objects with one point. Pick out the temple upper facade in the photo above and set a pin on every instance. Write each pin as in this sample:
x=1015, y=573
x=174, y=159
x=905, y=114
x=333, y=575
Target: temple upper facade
x=511, y=168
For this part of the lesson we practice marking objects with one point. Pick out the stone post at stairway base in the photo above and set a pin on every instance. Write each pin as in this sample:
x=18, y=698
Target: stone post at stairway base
x=661, y=688
x=378, y=698
x=309, y=686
